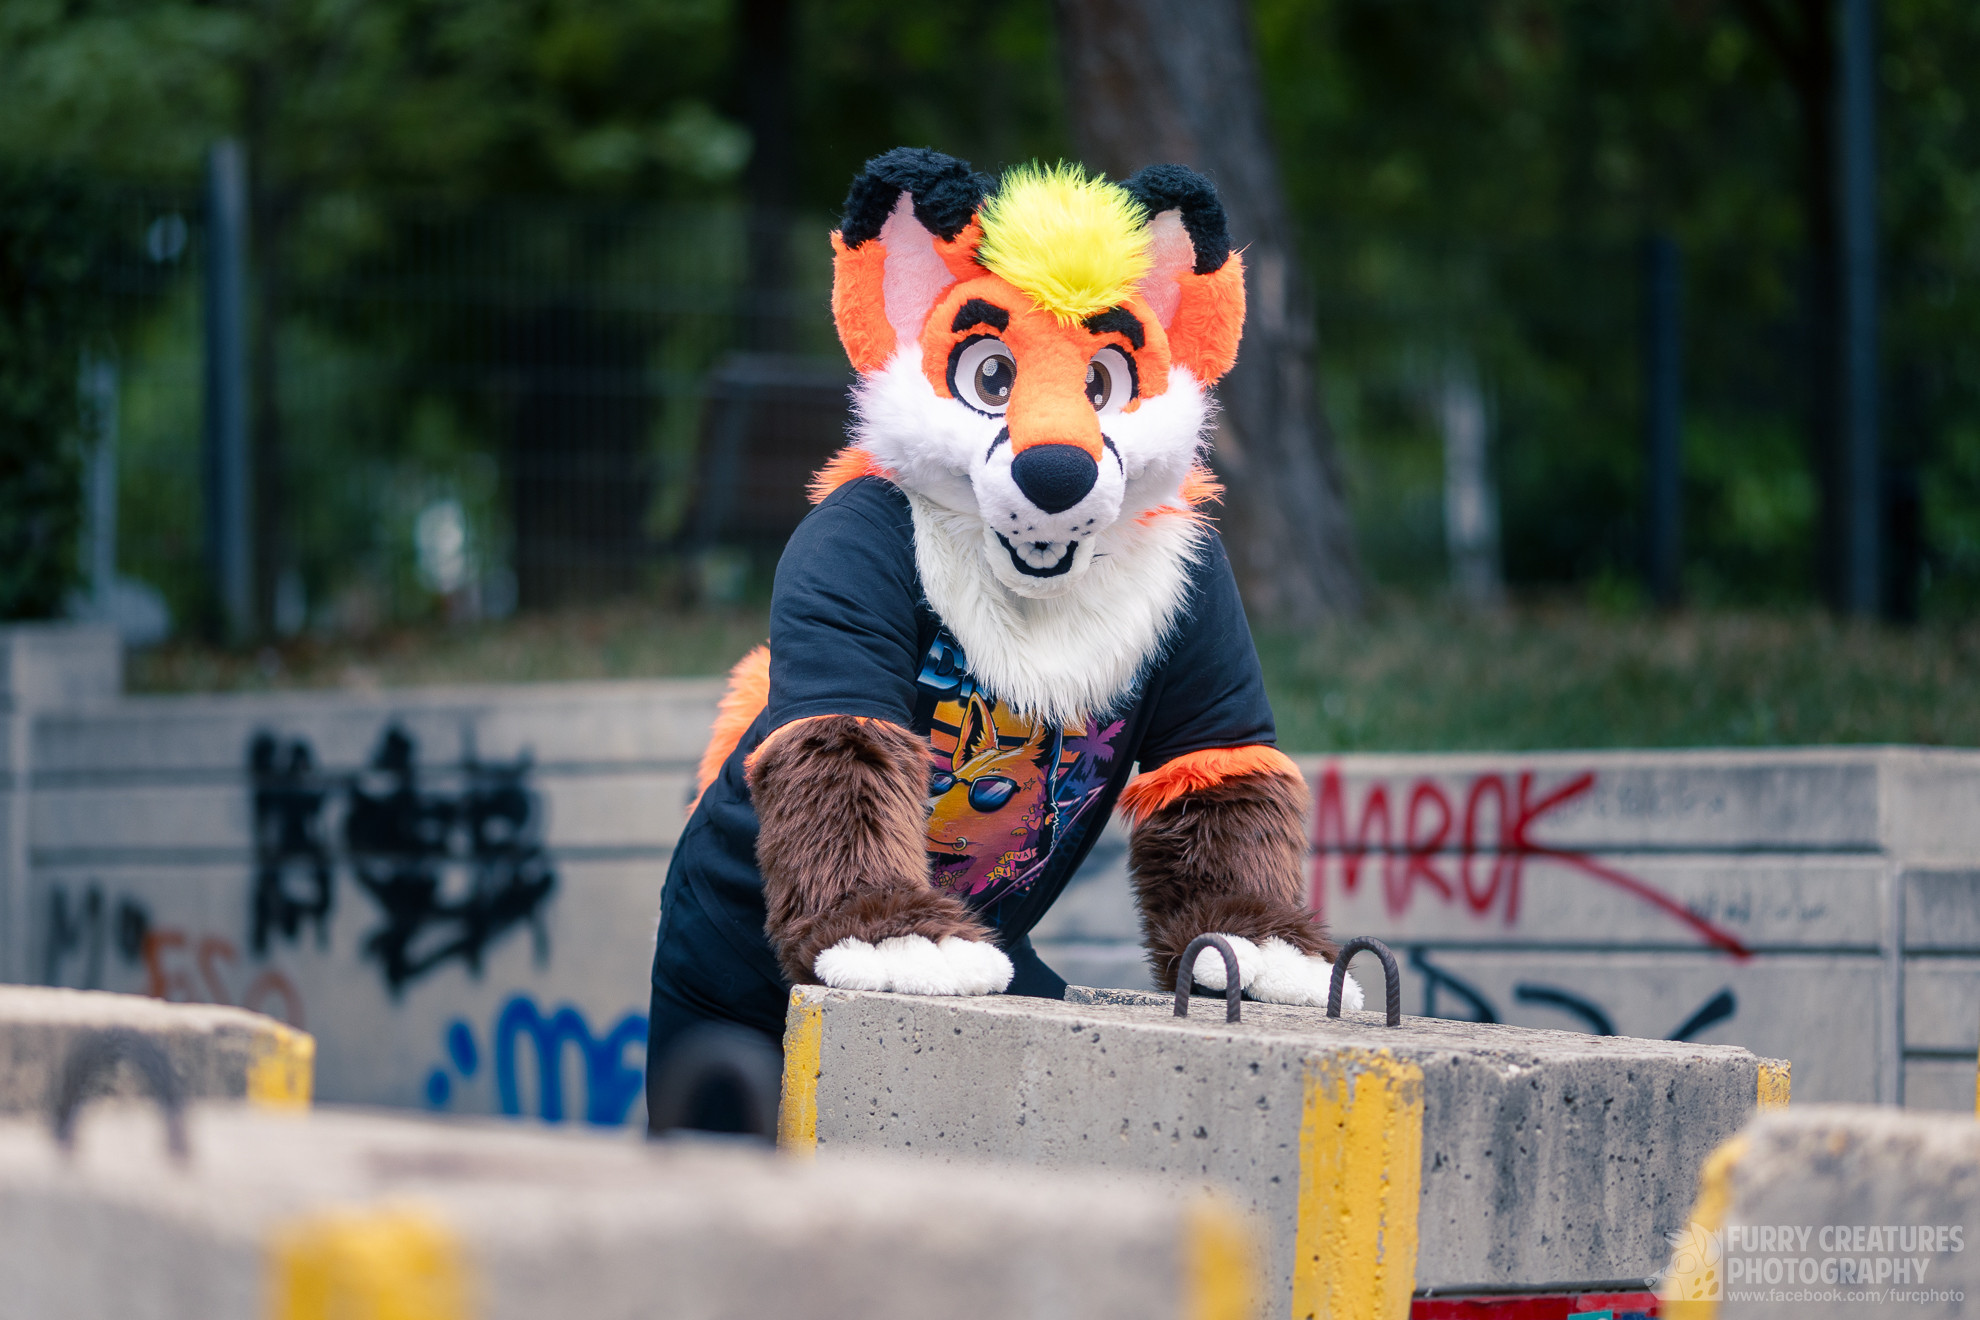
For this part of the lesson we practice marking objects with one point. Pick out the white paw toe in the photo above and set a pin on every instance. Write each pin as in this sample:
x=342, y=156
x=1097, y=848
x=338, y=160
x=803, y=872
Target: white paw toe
x=1209, y=969
x=852, y=965
x=916, y=966
x=1287, y=976
x=979, y=968
x=1350, y=994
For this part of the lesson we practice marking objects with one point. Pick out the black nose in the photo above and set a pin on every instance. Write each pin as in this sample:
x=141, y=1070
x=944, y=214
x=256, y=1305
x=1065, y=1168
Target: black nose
x=1055, y=477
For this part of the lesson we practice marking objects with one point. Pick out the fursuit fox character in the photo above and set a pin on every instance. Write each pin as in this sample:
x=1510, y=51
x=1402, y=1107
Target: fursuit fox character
x=1006, y=598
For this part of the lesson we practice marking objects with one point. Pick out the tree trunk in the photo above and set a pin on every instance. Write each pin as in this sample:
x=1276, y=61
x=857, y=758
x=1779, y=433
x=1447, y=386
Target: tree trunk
x=1151, y=81
x=1801, y=34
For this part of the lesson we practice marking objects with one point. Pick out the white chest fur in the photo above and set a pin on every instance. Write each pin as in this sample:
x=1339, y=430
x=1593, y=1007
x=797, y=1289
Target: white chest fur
x=1069, y=656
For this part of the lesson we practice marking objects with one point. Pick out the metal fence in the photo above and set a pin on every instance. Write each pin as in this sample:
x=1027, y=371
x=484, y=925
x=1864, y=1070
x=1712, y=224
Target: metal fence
x=469, y=410
x=461, y=410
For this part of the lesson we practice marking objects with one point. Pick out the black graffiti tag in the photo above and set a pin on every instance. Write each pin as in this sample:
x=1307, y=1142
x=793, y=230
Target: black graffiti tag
x=292, y=865
x=403, y=843
x=84, y=929
x=451, y=873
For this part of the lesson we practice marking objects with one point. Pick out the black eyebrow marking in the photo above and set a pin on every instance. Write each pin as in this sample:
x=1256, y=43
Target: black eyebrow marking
x=1118, y=319
x=978, y=312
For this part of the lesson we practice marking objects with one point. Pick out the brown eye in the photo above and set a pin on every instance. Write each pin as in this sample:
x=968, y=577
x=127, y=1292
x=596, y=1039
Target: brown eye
x=981, y=374
x=1109, y=380
x=993, y=380
x=1098, y=384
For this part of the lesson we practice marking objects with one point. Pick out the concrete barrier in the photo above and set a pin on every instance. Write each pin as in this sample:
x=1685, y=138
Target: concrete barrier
x=217, y=1053
x=1818, y=905
x=1837, y=1210
x=346, y=1214
x=1434, y=1156
x=245, y=850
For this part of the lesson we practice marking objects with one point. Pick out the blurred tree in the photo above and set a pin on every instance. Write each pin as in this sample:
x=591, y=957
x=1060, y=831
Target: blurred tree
x=1459, y=177
x=57, y=235
x=1149, y=81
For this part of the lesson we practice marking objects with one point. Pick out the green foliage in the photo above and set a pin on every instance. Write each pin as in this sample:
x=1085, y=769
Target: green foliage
x=1406, y=678
x=1474, y=177
x=56, y=238
x=1411, y=678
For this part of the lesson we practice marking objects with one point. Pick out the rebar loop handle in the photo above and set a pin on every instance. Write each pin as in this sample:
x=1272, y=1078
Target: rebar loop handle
x=94, y=1056
x=1186, y=977
x=1390, y=975
x=742, y=1061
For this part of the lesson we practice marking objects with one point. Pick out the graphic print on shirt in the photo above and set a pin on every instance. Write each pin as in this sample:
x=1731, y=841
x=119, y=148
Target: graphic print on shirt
x=1003, y=789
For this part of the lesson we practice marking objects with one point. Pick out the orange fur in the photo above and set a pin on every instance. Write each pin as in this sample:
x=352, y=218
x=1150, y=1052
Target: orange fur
x=1048, y=403
x=1209, y=320
x=747, y=695
x=859, y=304
x=1199, y=487
x=849, y=464
x=1197, y=771
x=959, y=253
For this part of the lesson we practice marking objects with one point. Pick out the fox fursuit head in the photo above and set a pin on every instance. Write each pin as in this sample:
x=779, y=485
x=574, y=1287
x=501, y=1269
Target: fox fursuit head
x=1034, y=364
x=1034, y=358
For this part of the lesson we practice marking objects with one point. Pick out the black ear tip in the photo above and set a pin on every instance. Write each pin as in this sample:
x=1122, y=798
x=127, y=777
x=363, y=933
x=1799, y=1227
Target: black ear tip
x=945, y=190
x=1178, y=188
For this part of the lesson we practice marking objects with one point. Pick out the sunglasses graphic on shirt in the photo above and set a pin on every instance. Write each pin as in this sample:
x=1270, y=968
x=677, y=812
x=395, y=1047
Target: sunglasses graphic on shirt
x=986, y=792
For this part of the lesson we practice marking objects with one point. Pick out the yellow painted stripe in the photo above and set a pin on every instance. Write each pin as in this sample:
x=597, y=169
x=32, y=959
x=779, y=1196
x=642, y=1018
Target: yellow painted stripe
x=1692, y=1287
x=1360, y=1184
x=381, y=1263
x=283, y=1074
x=1220, y=1263
x=804, y=1046
x=1774, y=1083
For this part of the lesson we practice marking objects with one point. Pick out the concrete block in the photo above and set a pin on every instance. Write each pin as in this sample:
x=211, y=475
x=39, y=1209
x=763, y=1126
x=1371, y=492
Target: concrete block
x=1942, y=910
x=1834, y=1211
x=650, y=723
x=143, y=875
x=1941, y=1008
x=61, y=666
x=1940, y=1085
x=1824, y=1012
x=355, y=1214
x=561, y=1036
x=1542, y=1157
x=1910, y=803
x=1726, y=901
x=217, y=1053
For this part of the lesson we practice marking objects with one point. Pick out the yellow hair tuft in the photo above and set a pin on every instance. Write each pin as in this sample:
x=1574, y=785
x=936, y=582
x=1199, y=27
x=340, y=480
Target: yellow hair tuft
x=1077, y=245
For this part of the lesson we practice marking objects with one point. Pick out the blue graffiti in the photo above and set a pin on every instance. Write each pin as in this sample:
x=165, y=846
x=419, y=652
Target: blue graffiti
x=610, y=1082
x=1439, y=981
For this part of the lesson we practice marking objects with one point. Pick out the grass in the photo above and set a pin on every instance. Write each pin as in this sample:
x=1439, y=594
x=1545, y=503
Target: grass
x=614, y=641
x=1408, y=677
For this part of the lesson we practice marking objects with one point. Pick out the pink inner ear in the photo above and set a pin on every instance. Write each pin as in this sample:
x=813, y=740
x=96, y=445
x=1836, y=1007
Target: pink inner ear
x=1174, y=256
x=916, y=274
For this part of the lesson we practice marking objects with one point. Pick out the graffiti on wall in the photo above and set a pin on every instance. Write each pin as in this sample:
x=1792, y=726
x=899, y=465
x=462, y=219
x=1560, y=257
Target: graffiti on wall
x=1448, y=995
x=292, y=866
x=87, y=928
x=1471, y=855
x=448, y=872
x=611, y=1082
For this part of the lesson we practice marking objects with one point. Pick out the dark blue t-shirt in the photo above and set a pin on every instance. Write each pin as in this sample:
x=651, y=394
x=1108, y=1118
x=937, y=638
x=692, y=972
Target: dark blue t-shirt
x=1015, y=805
